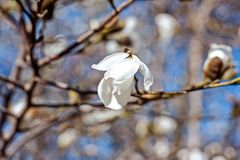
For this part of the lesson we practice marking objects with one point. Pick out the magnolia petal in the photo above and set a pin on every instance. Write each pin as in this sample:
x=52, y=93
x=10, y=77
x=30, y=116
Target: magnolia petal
x=114, y=104
x=121, y=86
x=124, y=97
x=119, y=100
x=105, y=91
x=123, y=70
x=110, y=61
x=220, y=54
x=136, y=59
x=148, y=77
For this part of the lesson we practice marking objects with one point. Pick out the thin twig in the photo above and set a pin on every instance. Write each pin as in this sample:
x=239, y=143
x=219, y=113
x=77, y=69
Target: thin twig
x=13, y=82
x=61, y=85
x=57, y=105
x=163, y=95
x=45, y=125
x=111, y=2
x=6, y=111
x=9, y=17
x=83, y=38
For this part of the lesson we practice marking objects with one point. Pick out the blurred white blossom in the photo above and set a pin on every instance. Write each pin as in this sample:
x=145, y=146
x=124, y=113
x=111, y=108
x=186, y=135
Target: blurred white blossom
x=230, y=152
x=99, y=117
x=219, y=158
x=130, y=25
x=18, y=107
x=167, y=26
x=164, y=125
x=112, y=46
x=125, y=37
x=142, y=127
x=162, y=149
x=136, y=156
x=213, y=148
x=196, y=154
x=93, y=23
x=67, y=138
x=183, y=154
x=191, y=154
x=114, y=89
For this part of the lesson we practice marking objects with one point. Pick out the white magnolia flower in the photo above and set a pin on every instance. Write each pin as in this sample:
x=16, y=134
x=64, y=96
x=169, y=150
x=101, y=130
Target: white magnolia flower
x=114, y=89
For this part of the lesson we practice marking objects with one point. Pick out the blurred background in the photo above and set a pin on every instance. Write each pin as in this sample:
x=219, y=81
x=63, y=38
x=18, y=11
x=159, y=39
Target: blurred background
x=172, y=38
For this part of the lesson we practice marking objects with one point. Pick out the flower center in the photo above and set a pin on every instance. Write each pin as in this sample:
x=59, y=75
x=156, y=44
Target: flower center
x=129, y=51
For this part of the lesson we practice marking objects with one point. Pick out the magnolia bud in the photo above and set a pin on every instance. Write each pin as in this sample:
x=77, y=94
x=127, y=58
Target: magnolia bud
x=219, y=62
x=214, y=68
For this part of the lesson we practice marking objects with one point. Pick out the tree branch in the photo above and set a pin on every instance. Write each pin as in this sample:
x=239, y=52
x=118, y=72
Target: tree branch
x=36, y=131
x=163, y=95
x=83, y=38
x=13, y=82
x=61, y=85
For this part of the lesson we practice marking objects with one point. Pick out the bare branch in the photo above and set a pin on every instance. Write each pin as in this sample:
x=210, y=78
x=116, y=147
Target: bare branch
x=6, y=111
x=57, y=105
x=111, y=2
x=62, y=85
x=163, y=95
x=13, y=82
x=45, y=125
x=83, y=38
